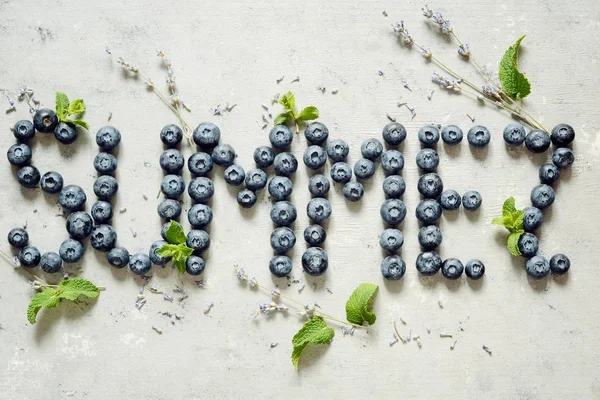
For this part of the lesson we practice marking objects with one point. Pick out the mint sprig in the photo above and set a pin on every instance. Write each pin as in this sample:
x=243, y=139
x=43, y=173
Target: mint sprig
x=176, y=247
x=288, y=101
x=512, y=219
x=514, y=83
x=314, y=331
x=70, y=112
x=358, y=307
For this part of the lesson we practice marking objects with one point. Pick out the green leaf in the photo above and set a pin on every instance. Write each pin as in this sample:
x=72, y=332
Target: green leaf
x=77, y=107
x=359, y=304
x=48, y=298
x=62, y=105
x=308, y=113
x=175, y=233
x=282, y=118
x=314, y=331
x=169, y=250
x=78, y=122
x=512, y=243
x=518, y=220
x=513, y=81
x=498, y=221
x=509, y=206
x=178, y=252
x=288, y=101
x=71, y=289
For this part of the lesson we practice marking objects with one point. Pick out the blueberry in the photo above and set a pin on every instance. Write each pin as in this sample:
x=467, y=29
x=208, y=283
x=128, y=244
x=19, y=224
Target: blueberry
x=45, y=120
x=393, y=267
x=154, y=256
x=280, y=266
x=452, y=268
x=353, y=191
x=318, y=210
x=201, y=189
x=283, y=239
x=163, y=230
x=283, y=213
x=430, y=185
x=172, y=186
x=478, y=136
x=392, y=162
x=256, y=179
x=72, y=198
x=562, y=135
x=101, y=212
x=393, y=211
x=246, y=198
x=428, y=160
x=371, y=149
x=393, y=186
x=200, y=164
x=207, y=135
x=474, y=269
x=429, y=135
x=200, y=215
x=514, y=134
x=391, y=240
x=118, y=257
x=450, y=200
x=223, y=155
x=171, y=135
x=234, y=175
x=338, y=150
x=430, y=237
x=528, y=245
x=285, y=164
x=50, y=262
x=28, y=176
x=364, y=168
x=105, y=163
x=318, y=185
x=537, y=267
x=103, y=237
x=71, y=251
x=471, y=200
x=29, y=257
x=264, y=156
x=198, y=240
x=532, y=219
x=315, y=235
x=559, y=264
x=171, y=161
x=281, y=137
x=537, y=141
x=169, y=209
x=79, y=225
x=452, y=135
x=428, y=263
x=549, y=173
x=428, y=211
x=280, y=187
x=194, y=265
x=394, y=133
x=314, y=157
x=542, y=196
x=140, y=263
x=51, y=182
x=341, y=172
x=563, y=157
x=105, y=187
x=315, y=261
x=18, y=237
x=65, y=133
x=23, y=131
x=108, y=137
x=19, y=154
x=316, y=133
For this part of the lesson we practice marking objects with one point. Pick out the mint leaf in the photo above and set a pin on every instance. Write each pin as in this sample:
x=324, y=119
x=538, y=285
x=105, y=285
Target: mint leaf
x=48, y=298
x=314, y=331
x=175, y=233
x=71, y=289
x=76, y=107
x=509, y=206
x=288, y=101
x=178, y=252
x=512, y=243
x=513, y=81
x=169, y=250
x=308, y=113
x=498, y=221
x=282, y=118
x=78, y=122
x=359, y=304
x=62, y=105
x=518, y=220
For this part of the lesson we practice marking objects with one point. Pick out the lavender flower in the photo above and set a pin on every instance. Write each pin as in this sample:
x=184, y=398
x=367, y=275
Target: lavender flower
x=253, y=283
x=275, y=293
x=446, y=82
x=464, y=50
x=240, y=273
x=446, y=27
x=427, y=12
x=491, y=92
x=438, y=18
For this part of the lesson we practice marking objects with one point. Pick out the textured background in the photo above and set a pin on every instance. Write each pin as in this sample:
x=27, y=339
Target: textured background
x=543, y=334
